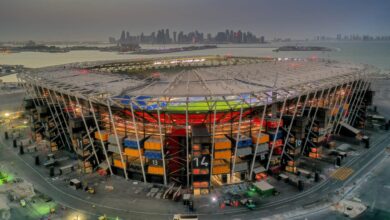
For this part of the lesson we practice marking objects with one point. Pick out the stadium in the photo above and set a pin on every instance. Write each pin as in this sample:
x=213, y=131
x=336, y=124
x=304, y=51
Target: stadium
x=200, y=122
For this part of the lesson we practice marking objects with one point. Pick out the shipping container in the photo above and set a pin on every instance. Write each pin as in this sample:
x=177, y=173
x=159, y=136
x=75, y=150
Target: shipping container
x=244, y=151
x=264, y=138
x=222, y=143
x=153, y=154
x=272, y=123
x=118, y=163
x=103, y=135
x=112, y=139
x=272, y=135
x=291, y=169
x=132, y=152
x=278, y=143
x=156, y=170
x=261, y=148
x=314, y=155
x=221, y=167
x=222, y=154
x=153, y=143
x=243, y=141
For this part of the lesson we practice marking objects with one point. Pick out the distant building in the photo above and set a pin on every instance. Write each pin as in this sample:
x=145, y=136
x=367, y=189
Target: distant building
x=112, y=40
x=174, y=37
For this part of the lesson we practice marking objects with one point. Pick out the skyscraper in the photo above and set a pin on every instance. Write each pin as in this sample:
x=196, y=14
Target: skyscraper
x=174, y=37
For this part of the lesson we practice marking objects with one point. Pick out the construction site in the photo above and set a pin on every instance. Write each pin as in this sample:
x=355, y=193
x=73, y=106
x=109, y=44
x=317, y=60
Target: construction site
x=197, y=123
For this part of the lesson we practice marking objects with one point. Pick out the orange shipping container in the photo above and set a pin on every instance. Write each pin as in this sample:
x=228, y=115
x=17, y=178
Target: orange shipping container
x=335, y=111
x=222, y=154
x=291, y=163
x=196, y=147
x=103, y=135
x=222, y=143
x=264, y=138
x=132, y=152
x=152, y=144
x=221, y=169
x=156, y=170
x=202, y=184
x=314, y=155
x=118, y=163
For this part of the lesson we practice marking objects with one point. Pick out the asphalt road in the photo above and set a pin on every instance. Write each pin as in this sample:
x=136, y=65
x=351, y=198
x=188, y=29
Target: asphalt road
x=319, y=193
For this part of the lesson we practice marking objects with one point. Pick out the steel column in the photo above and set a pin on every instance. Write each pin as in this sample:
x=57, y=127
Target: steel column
x=187, y=145
x=53, y=118
x=213, y=140
x=237, y=140
x=63, y=117
x=277, y=130
x=312, y=122
x=331, y=120
x=138, y=145
x=88, y=131
x=360, y=102
x=350, y=97
x=257, y=144
x=98, y=130
x=161, y=140
x=116, y=138
x=291, y=124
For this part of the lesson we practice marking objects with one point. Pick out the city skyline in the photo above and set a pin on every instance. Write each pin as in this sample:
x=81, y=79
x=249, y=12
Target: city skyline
x=165, y=36
x=96, y=20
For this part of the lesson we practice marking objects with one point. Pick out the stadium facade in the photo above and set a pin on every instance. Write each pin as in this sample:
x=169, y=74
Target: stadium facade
x=198, y=121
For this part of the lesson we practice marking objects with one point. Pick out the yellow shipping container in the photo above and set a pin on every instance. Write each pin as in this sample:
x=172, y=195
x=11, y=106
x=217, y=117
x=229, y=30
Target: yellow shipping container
x=156, y=170
x=291, y=169
x=196, y=192
x=264, y=138
x=103, y=135
x=204, y=191
x=224, y=154
x=132, y=152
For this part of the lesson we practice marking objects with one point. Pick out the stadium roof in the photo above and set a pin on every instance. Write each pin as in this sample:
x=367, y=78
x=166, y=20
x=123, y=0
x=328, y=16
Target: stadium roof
x=183, y=78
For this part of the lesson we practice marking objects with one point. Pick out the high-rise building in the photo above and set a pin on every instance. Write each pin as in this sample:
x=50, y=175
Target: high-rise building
x=167, y=38
x=262, y=40
x=174, y=36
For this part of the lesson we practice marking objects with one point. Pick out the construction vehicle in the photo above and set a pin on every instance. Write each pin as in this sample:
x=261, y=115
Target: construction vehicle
x=103, y=217
x=91, y=190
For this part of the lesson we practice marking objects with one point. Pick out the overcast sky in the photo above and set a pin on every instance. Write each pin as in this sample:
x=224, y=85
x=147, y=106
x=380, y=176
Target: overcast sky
x=99, y=19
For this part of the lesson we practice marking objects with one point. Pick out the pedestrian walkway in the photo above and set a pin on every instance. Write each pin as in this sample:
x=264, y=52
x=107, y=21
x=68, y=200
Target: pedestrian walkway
x=342, y=173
